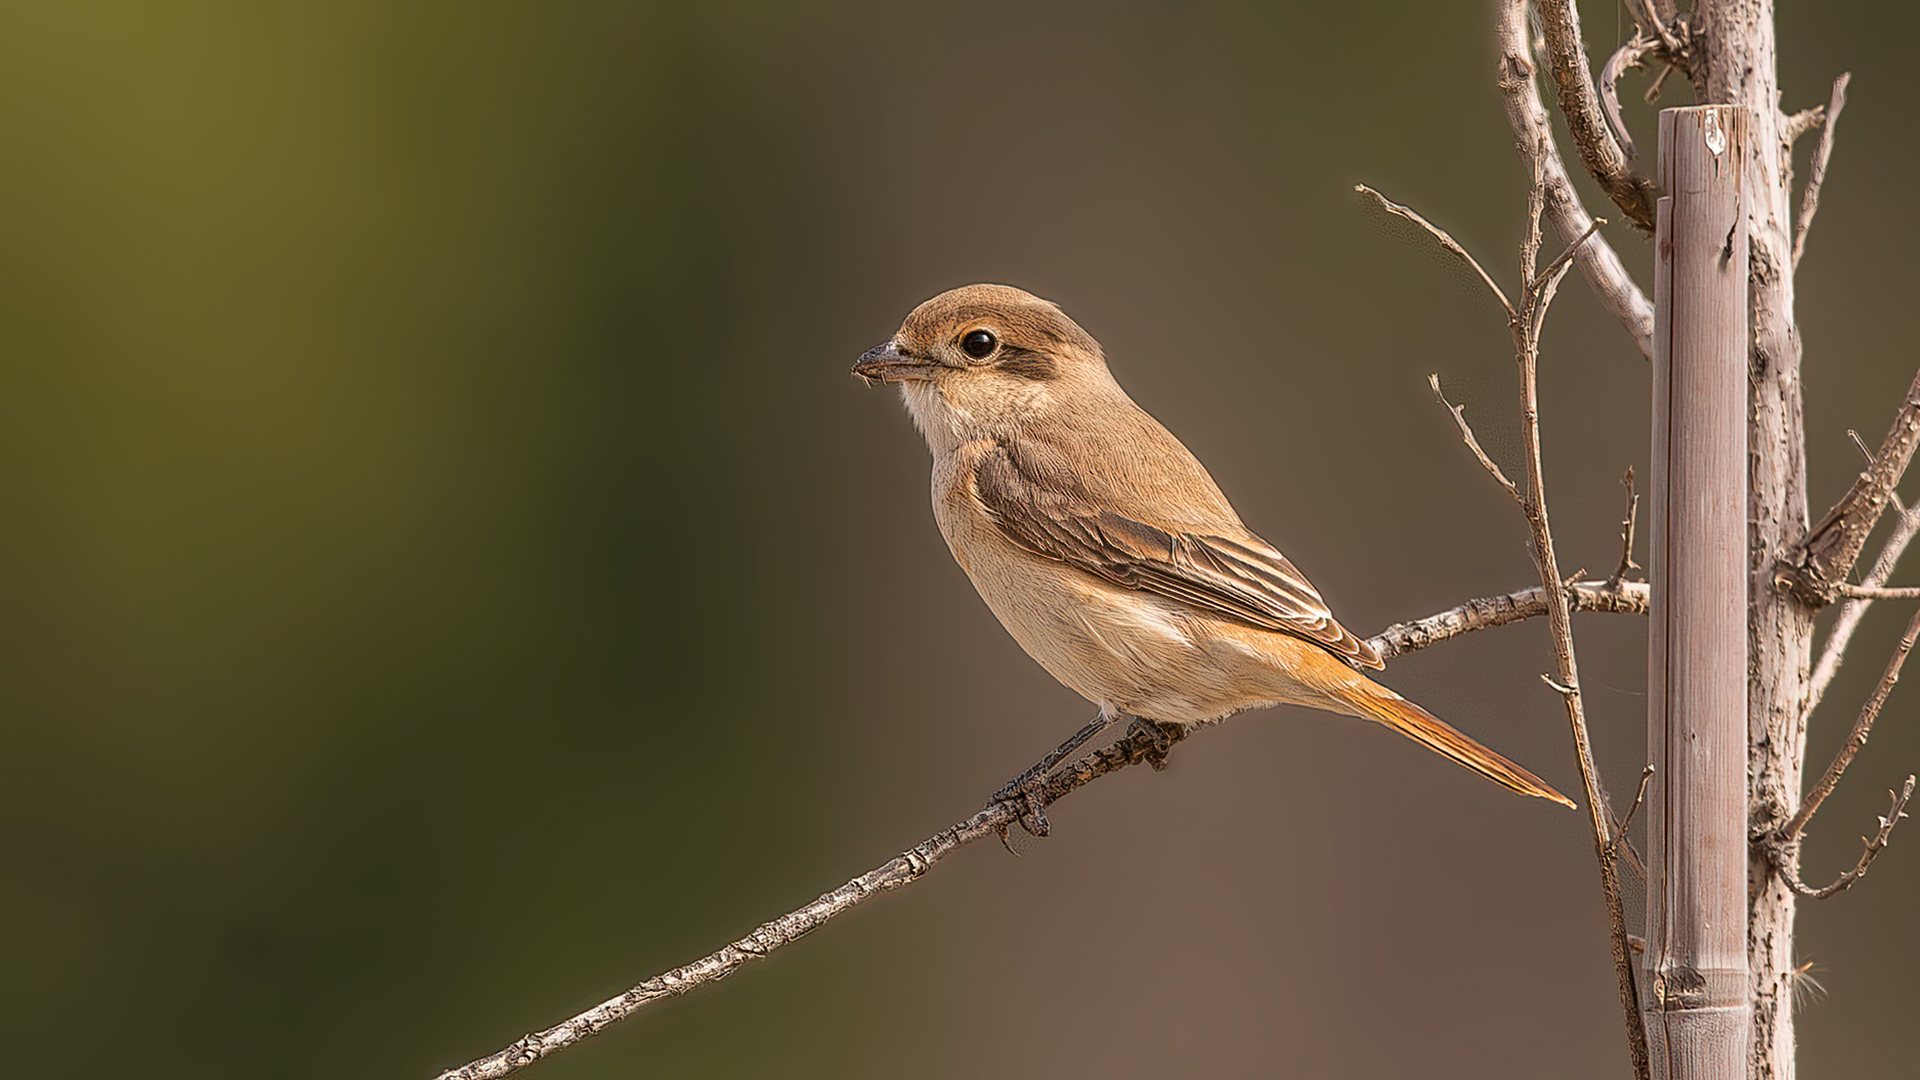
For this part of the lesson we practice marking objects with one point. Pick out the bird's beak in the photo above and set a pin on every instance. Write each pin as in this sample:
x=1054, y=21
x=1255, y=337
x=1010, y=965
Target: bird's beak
x=887, y=363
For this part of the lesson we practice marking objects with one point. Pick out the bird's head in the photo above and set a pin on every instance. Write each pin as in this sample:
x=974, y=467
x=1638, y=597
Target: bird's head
x=980, y=361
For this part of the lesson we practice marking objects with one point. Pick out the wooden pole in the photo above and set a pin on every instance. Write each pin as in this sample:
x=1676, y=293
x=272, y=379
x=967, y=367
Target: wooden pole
x=1695, y=990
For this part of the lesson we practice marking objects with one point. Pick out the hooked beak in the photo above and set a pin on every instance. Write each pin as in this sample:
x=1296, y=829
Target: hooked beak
x=887, y=363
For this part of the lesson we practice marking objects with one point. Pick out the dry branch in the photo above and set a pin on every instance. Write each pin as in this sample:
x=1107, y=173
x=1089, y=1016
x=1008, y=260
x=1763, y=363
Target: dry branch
x=1606, y=161
x=1140, y=744
x=1857, y=738
x=1874, y=846
x=1851, y=612
x=1627, y=597
x=1533, y=137
x=1816, y=569
x=1629, y=55
x=1524, y=323
x=1817, y=171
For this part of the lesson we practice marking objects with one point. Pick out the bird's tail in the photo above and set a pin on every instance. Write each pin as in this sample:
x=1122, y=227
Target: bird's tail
x=1372, y=701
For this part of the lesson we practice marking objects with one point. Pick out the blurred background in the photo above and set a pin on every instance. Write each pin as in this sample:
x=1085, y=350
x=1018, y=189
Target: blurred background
x=447, y=573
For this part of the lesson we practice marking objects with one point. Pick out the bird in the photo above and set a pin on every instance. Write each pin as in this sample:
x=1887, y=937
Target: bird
x=1106, y=549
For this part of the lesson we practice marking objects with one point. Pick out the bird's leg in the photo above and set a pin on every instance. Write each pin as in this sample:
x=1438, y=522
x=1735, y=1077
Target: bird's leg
x=1162, y=736
x=1026, y=788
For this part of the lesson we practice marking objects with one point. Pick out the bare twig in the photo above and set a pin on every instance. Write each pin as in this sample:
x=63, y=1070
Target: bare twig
x=1459, y=414
x=1633, y=192
x=1802, y=122
x=1817, y=567
x=1651, y=25
x=1627, y=565
x=1639, y=797
x=1629, y=55
x=1835, y=649
x=1866, y=454
x=1533, y=136
x=1817, y=171
x=1659, y=83
x=1556, y=270
x=1875, y=592
x=1524, y=323
x=1629, y=597
x=1137, y=746
x=1622, y=844
x=1875, y=845
x=1857, y=738
x=1439, y=234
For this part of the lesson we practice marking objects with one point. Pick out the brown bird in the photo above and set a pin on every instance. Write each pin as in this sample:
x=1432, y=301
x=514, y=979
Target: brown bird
x=1106, y=550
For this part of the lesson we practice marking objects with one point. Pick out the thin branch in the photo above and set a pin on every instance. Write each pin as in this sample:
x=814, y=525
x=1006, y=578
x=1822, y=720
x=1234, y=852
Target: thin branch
x=1556, y=271
x=1445, y=239
x=1653, y=26
x=1875, y=845
x=1459, y=414
x=1606, y=162
x=1817, y=567
x=1802, y=122
x=1652, y=96
x=1637, y=48
x=1857, y=738
x=1817, y=172
x=1866, y=455
x=1526, y=344
x=1137, y=746
x=1627, y=565
x=1533, y=137
x=1875, y=592
x=1851, y=612
x=1639, y=798
x=1628, y=598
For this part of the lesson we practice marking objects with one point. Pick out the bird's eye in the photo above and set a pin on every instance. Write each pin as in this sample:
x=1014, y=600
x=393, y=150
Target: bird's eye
x=979, y=344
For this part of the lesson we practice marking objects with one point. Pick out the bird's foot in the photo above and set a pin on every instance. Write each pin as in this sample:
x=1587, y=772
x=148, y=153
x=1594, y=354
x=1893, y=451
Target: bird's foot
x=1027, y=791
x=1159, y=737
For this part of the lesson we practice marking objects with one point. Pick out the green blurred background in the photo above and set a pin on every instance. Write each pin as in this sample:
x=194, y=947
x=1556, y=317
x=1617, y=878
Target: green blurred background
x=447, y=573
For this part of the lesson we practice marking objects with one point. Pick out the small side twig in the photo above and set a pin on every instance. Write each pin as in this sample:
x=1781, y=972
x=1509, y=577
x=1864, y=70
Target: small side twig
x=1876, y=592
x=1817, y=171
x=1647, y=18
x=1441, y=236
x=1874, y=845
x=1627, y=565
x=1834, y=651
x=1626, y=56
x=1802, y=122
x=1857, y=738
x=1817, y=567
x=1622, y=844
x=1459, y=414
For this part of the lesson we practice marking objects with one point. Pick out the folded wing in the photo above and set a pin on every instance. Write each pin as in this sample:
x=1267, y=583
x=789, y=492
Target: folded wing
x=1238, y=576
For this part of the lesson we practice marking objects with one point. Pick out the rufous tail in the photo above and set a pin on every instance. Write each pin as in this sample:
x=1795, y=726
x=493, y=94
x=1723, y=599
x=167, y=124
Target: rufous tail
x=1376, y=702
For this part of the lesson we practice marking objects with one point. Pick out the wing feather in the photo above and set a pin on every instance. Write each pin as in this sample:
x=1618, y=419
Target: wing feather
x=1241, y=577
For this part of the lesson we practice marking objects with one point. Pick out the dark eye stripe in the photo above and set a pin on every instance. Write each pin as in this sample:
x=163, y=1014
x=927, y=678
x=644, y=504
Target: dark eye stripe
x=1026, y=363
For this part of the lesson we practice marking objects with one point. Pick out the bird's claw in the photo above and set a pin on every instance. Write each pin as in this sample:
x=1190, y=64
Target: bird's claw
x=1160, y=740
x=1023, y=793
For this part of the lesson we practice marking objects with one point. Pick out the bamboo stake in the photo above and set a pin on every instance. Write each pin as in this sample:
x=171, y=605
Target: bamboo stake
x=1696, y=995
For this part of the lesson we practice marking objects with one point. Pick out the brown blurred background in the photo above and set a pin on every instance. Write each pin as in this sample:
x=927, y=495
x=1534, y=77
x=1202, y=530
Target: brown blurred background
x=447, y=573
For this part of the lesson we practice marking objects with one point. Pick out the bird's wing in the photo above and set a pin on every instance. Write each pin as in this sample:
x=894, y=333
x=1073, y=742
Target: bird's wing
x=1239, y=576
